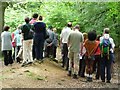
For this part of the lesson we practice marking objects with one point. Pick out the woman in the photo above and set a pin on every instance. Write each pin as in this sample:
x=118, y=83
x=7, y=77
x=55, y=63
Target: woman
x=91, y=46
x=7, y=46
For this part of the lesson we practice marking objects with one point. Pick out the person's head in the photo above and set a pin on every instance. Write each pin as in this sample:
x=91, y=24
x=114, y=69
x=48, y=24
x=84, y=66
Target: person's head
x=27, y=19
x=54, y=30
x=6, y=28
x=40, y=18
x=35, y=15
x=77, y=27
x=92, y=35
x=94, y=30
x=50, y=27
x=106, y=30
x=98, y=37
x=85, y=35
x=69, y=24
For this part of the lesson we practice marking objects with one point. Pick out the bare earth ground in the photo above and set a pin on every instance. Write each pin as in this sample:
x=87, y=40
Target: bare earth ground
x=48, y=74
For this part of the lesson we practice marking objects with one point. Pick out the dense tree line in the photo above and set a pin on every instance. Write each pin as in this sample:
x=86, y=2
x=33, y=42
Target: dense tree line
x=90, y=15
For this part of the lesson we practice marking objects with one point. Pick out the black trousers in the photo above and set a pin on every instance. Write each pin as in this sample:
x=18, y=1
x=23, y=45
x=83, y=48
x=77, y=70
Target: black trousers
x=82, y=67
x=7, y=57
x=33, y=52
x=65, y=58
x=96, y=66
x=54, y=51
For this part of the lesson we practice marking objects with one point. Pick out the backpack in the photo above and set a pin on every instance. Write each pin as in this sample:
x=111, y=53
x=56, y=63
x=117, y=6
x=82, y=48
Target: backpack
x=105, y=47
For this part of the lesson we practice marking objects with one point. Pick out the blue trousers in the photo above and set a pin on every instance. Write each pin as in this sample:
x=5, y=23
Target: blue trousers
x=106, y=67
x=38, y=45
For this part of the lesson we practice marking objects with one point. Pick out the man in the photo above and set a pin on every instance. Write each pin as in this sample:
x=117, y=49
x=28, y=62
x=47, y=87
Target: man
x=107, y=45
x=27, y=43
x=75, y=41
x=49, y=42
x=39, y=38
x=55, y=43
x=63, y=41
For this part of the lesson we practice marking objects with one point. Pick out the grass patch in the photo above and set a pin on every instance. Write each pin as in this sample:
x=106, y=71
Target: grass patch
x=2, y=77
x=35, y=76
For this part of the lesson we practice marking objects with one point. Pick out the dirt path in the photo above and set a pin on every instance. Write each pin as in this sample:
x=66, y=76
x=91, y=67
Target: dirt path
x=46, y=75
x=49, y=74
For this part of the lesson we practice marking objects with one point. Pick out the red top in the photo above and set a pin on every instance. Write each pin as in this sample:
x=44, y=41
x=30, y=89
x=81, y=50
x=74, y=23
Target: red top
x=98, y=51
x=13, y=40
x=33, y=21
x=91, y=47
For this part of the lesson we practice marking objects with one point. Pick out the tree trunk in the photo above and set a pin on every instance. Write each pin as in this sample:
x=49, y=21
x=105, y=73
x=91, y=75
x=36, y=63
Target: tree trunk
x=3, y=6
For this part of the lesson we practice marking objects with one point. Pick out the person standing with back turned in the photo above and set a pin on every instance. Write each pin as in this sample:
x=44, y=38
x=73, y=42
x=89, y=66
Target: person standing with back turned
x=63, y=42
x=39, y=38
x=27, y=43
x=75, y=42
x=32, y=21
x=107, y=48
x=7, y=46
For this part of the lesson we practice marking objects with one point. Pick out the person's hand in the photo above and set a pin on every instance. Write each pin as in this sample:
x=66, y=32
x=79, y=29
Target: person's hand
x=113, y=61
x=49, y=45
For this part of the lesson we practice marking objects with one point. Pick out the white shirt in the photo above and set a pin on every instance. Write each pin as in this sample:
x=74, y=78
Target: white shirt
x=65, y=34
x=107, y=36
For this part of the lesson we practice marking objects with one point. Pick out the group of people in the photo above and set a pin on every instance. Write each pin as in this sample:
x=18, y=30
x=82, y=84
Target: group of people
x=86, y=53
x=82, y=53
x=30, y=41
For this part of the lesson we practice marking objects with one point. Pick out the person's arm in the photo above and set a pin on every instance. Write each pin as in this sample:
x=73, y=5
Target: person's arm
x=1, y=37
x=68, y=42
x=61, y=35
x=112, y=44
x=81, y=44
x=53, y=39
x=32, y=27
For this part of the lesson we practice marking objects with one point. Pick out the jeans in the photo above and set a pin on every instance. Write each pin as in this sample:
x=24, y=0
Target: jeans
x=38, y=42
x=106, y=66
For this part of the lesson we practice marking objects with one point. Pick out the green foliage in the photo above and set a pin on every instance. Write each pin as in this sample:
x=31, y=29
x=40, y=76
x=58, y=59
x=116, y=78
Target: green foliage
x=89, y=15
